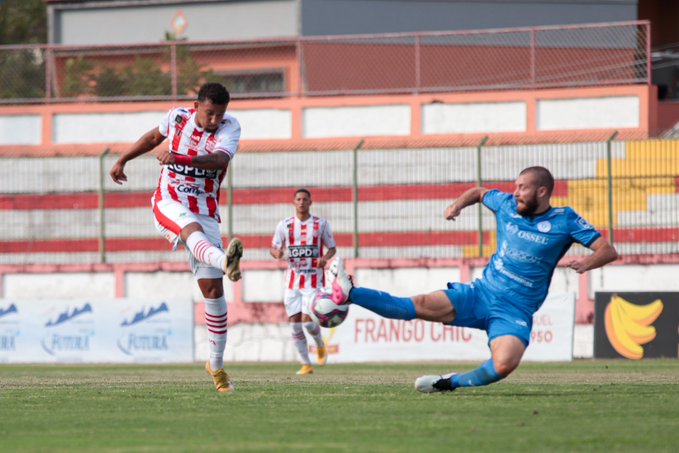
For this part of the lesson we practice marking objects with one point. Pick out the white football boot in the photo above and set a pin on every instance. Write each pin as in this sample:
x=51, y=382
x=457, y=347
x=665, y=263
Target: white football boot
x=434, y=383
x=340, y=282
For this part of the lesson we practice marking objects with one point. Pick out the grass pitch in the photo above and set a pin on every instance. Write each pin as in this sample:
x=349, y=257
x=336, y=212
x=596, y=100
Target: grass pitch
x=579, y=406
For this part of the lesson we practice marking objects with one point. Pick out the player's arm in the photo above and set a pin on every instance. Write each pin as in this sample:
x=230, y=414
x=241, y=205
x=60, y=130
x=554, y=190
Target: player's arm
x=214, y=161
x=277, y=250
x=327, y=257
x=468, y=198
x=146, y=143
x=603, y=254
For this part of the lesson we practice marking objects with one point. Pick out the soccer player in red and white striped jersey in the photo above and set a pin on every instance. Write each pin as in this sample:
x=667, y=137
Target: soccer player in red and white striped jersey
x=202, y=142
x=303, y=236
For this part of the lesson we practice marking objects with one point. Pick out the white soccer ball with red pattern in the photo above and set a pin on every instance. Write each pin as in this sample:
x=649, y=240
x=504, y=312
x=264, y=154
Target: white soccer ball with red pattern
x=325, y=312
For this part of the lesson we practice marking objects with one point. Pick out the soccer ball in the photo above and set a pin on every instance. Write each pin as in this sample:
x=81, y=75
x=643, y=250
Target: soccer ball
x=325, y=312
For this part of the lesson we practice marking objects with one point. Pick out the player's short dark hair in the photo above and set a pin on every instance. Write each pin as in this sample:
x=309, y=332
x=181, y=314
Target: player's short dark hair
x=543, y=177
x=303, y=190
x=214, y=92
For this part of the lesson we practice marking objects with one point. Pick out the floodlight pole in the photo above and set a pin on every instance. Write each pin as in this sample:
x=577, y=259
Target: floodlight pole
x=479, y=182
x=102, y=208
x=609, y=163
x=229, y=198
x=354, y=165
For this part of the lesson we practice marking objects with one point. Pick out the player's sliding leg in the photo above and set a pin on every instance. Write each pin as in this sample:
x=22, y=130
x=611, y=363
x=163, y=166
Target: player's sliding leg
x=314, y=330
x=506, y=353
x=216, y=323
x=205, y=252
x=299, y=340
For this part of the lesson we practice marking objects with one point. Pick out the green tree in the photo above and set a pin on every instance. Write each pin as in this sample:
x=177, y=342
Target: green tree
x=22, y=71
x=23, y=22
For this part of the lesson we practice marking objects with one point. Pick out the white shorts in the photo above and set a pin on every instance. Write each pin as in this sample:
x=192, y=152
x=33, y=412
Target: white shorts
x=171, y=218
x=298, y=301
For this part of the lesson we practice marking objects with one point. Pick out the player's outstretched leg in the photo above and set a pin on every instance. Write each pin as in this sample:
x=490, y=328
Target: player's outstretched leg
x=483, y=375
x=384, y=304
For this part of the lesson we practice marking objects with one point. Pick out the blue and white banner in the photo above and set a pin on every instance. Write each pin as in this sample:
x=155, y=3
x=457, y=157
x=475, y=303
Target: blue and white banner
x=96, y=331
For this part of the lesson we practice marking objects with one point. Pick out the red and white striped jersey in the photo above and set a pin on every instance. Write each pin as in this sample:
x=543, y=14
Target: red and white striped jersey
x=305, y=242
x=195, y=188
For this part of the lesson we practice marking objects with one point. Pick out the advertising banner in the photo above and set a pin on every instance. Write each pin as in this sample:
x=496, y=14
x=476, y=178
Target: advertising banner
x=94, y=331
x=635, y=325
x=366, y=337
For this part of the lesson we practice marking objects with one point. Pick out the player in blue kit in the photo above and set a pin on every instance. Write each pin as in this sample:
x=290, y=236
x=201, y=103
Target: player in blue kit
x=532, y=237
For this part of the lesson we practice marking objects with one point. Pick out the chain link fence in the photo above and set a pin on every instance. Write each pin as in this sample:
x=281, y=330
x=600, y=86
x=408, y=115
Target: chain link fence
x=381, y=203
x=527, y=58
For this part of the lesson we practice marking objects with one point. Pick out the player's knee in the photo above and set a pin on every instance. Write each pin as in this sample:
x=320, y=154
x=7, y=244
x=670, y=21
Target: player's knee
x=504, y=366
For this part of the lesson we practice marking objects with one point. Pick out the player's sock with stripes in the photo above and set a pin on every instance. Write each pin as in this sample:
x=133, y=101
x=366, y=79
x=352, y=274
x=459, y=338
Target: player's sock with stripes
x=216, y=322
x=299, y=340
x=384, y=304
x=315, y=331
x=203, y=250
x=483, y=375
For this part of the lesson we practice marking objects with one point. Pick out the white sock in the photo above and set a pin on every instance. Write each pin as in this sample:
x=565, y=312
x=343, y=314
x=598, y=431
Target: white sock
x=315, y=331
x=300, y=342
x=216, y=322
x=204, y=251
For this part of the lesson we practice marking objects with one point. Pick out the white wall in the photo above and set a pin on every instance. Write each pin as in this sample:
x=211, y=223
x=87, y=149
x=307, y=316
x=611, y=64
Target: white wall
x=393, y=120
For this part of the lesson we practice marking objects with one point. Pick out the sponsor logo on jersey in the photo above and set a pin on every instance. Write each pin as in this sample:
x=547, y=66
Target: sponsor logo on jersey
x=514, y=230
x=499, y=266
x=532, y=237
x=193, y=172
x=303, y=251
x=189, y=189
x=517, y=255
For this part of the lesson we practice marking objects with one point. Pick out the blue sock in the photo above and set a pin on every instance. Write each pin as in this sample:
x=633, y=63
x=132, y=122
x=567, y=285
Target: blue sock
x=384, y=304
x=483, y=375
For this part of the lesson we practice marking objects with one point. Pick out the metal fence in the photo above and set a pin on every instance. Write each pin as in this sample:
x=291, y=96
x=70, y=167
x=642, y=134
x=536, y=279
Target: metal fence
x=521, y=58
x=381, y=203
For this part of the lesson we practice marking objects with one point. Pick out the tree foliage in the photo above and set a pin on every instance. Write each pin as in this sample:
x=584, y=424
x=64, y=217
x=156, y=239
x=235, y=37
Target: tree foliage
x=23, y=22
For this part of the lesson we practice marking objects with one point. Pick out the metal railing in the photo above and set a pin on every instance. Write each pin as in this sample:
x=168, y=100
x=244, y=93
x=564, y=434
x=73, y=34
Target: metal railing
x=381, y=203
x=520, y=58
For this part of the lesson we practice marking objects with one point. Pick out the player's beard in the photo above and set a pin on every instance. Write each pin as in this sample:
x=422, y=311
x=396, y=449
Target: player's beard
x=530, y=205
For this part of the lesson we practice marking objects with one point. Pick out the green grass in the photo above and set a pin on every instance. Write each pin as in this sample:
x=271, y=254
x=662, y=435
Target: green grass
x=580, y=406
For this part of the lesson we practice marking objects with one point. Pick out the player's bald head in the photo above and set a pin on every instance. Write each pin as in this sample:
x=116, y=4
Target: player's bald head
x=541, y=176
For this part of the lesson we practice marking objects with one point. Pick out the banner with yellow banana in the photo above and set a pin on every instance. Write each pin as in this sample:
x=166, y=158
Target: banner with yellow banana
x=636, y=325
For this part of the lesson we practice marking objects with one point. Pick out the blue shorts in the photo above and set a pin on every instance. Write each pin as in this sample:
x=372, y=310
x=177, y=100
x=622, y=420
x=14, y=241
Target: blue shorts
x=476, y=307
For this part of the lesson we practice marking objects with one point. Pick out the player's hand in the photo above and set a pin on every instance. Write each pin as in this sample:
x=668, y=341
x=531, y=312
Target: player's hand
x=452, y=212
x=322, y=262
x=578, y=265
x=117, y=173
x=166, y=158
x=277, y=253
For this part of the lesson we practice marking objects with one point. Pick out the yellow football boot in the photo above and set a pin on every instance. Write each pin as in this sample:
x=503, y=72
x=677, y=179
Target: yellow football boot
x=306, y=369
x=222, y=382
x=322, y=355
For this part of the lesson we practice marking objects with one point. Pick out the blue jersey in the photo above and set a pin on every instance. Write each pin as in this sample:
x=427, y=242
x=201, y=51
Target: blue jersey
x=528, y=250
